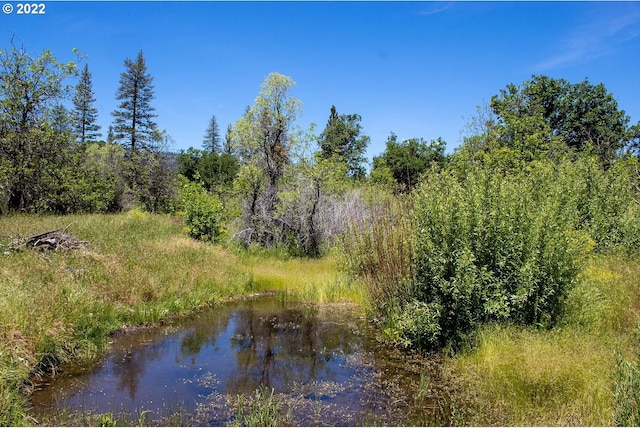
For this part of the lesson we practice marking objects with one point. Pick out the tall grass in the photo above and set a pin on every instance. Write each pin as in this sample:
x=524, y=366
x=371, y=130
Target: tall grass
x=584, y=372
x=138, y=268
x=378, y=247
x=263, y=409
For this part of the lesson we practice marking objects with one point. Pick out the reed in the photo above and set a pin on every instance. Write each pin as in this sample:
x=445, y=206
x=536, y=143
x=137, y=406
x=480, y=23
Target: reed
x=262, y=409
x=378, y=247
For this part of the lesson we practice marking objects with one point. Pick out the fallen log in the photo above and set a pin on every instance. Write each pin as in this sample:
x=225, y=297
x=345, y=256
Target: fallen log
x=52, y=240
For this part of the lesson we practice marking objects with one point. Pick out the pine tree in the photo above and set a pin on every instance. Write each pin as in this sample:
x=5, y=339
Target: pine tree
x=85, y=114
x=110, y=135
x=228, y=144
x=133, y=124
x=211, y=141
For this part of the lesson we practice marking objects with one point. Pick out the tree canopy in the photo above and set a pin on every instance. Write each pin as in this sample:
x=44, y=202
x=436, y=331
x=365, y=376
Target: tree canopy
x=33, y=154
x=342, y=138
x=407, y=160
x=582, y=115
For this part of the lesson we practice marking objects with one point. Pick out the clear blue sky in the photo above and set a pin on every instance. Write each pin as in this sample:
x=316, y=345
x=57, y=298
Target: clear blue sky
x=418, y=69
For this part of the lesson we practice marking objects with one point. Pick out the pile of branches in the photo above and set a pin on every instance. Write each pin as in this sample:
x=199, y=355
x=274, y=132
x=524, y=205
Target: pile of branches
x=53, y=240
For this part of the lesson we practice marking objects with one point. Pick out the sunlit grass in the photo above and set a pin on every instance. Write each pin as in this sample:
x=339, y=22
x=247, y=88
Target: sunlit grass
x=138, y=268
x=309, y=280
x=565, y=376
x=522, y=377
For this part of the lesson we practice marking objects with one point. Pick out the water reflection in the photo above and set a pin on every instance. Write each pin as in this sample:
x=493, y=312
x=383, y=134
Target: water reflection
x=322, y=358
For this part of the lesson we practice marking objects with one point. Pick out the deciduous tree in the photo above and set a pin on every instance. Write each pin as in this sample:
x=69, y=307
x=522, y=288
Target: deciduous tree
x=34, y=155
x=583, y=115
x=263, y=140
x=409, y=159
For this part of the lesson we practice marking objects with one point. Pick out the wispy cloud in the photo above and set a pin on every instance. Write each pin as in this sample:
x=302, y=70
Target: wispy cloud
x=596, y=38
x=433, y=8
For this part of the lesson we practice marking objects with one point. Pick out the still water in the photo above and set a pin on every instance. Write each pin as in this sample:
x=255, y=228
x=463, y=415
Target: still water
x=322, y=362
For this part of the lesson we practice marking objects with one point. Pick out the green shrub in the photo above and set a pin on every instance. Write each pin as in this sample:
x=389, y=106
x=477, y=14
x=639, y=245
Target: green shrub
x=607, y=202
x=415, y=325
x=495, y=247
x=204, y=213
x=491, y=244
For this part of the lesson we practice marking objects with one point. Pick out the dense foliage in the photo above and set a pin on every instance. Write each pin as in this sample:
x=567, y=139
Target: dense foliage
x=204, y=212
x=216, y=170
x=344, y=141
x=583, y=115
x=492, y=246
x=403, y=163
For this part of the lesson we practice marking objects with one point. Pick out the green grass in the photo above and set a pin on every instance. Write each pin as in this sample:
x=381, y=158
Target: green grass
x=263, y=409
x=565, y=376
x=138, y=268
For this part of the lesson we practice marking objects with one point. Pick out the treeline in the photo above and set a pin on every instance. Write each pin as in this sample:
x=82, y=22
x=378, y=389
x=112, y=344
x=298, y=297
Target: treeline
x=51, y=157
x=268, y=182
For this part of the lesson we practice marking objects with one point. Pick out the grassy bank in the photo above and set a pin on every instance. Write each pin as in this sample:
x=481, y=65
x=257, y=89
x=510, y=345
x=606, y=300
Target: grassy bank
x=137, y=269
x=566, y=376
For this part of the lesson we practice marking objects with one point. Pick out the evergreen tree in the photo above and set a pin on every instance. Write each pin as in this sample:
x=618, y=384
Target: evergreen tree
x=85, y=114
x=342, y=139
x=111, y=139
x=228, y=141
x=133, y=124
x=211, y=140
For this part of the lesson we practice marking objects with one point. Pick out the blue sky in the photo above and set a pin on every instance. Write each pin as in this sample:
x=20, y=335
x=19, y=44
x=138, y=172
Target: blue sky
x=418, y=69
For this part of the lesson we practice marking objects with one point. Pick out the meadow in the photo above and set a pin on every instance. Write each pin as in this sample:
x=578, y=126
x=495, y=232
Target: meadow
x=583, y=372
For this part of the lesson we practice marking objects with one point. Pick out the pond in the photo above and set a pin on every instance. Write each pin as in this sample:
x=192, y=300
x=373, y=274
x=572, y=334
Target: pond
x=321, y=365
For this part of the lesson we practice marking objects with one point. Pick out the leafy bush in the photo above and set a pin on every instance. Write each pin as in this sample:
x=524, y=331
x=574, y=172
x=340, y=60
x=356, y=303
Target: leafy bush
x=490, y=243
x=495, y=247
x=204, y=213
x=606, y=201
x=416, y=325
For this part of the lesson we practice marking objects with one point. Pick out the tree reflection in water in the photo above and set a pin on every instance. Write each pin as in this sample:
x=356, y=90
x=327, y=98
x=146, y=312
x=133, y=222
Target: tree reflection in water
x=316, y=356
